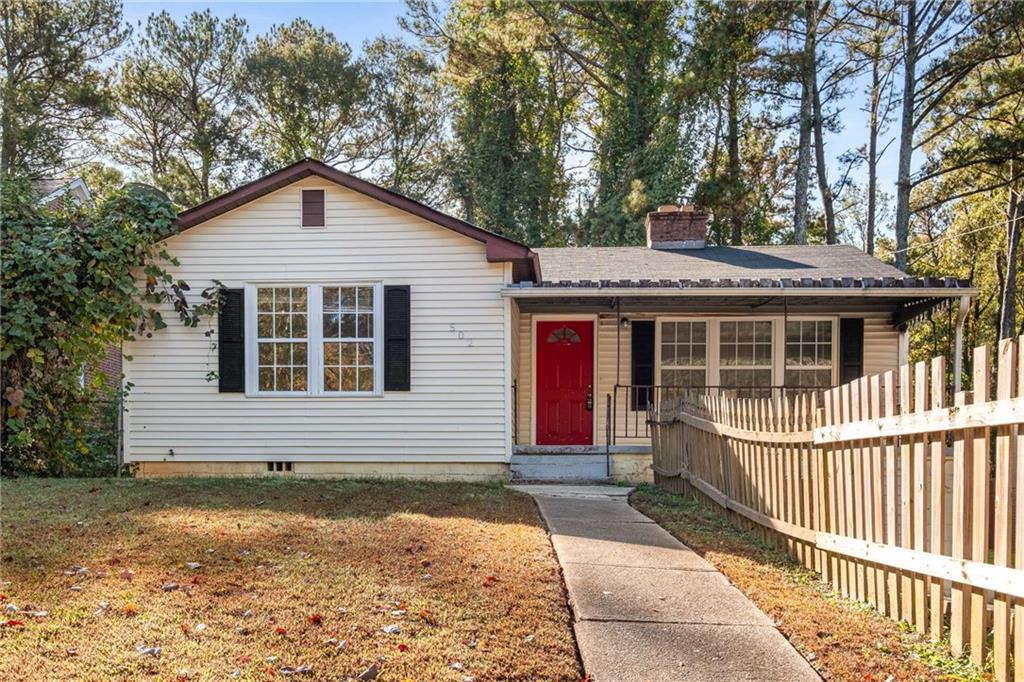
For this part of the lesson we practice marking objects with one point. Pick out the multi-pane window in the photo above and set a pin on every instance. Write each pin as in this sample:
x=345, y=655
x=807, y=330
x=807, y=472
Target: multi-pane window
x=348, y=339
x=282, y=319
x=745, y=354
x=684, y=354
x=809, y=353
x=317, y=339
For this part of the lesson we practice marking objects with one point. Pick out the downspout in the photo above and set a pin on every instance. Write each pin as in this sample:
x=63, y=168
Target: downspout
x=958, y=357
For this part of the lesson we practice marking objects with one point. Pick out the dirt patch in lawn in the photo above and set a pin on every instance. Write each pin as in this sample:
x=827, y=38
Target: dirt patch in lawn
x=250, y=579
x=843, y=639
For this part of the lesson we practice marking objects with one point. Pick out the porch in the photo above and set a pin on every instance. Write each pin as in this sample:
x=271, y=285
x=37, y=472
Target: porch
x=646, y=345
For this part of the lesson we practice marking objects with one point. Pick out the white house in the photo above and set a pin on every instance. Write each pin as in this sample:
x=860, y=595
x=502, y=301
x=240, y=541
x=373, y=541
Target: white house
x=363, y=333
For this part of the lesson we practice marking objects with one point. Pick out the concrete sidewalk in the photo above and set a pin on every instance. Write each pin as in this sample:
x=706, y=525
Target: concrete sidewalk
x=649, y=608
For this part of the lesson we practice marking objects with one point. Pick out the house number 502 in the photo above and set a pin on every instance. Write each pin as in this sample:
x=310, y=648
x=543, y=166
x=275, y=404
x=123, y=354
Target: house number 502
x=461, y=335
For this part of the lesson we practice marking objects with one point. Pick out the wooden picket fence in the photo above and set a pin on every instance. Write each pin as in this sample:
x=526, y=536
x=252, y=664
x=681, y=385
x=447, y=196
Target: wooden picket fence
x=894, y=496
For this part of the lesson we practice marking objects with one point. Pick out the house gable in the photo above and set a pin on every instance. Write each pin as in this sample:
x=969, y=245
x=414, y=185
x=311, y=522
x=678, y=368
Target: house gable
x=498, y=248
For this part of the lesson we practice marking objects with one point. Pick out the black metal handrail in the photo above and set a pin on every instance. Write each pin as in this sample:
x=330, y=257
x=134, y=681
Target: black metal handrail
x=631, y=404
x=515, y=413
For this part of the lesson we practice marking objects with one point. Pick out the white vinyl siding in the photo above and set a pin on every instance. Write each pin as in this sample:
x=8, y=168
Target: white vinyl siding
x=455, y=411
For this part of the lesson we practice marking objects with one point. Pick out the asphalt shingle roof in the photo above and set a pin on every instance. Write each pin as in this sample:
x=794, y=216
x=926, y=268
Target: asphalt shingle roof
x=726, y=266
x=711, y=263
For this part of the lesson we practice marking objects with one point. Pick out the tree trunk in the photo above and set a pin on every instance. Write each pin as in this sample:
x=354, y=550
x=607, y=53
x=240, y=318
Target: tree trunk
x=822, y=170
x=1008, y=305
x=803, y=158
x=906, y=134
x=733, y=170
x=873, y=124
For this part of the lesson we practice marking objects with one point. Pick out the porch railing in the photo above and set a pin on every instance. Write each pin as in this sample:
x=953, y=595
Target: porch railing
x=628, y=415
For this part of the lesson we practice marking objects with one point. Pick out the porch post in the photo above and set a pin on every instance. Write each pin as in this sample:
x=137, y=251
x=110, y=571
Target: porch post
x=903, y=346
x=958, y=358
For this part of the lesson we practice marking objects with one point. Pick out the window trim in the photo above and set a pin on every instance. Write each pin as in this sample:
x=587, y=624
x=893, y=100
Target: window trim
x=314, y=340
x=708, y=324
x=773, y=366
x=778, y=342
x=835, y=343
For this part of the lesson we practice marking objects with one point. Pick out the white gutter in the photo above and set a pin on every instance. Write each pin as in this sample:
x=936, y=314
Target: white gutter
x=725, y=292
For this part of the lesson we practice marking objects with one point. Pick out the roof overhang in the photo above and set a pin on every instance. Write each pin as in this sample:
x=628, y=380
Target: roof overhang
x=499, y=249
x=904, y=305
x=761, y=292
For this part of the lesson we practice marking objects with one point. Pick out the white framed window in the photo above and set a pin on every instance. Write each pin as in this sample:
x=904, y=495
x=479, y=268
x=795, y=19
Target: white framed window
x=683, y=353
x=745, y=355
x=348, y=339
x=810, y=353
x=282, y=339
x=314, y=339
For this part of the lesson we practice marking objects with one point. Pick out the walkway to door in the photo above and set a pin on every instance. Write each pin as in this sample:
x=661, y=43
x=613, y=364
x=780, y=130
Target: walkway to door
x=645, y=606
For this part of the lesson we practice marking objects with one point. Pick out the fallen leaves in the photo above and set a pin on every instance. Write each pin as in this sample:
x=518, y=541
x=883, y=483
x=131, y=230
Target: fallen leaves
x=368, y=674
x=300, y=670
x=130, y=609
x=270, y=589
x=144, y=650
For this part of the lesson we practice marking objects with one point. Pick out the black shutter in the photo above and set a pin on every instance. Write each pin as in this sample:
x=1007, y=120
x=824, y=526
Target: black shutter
x=312, y=208
x=643, y=363
x=396, y=338
x=231, y=344
x=851, y=349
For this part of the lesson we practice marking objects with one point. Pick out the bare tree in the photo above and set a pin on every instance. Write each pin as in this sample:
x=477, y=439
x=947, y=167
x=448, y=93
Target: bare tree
x=958, y=38
x=807, y=87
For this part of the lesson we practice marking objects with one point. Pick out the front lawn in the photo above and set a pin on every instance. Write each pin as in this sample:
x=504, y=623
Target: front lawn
x=257, y=578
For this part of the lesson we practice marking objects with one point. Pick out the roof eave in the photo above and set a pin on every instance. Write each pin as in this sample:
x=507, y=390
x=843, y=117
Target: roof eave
x=860, y=292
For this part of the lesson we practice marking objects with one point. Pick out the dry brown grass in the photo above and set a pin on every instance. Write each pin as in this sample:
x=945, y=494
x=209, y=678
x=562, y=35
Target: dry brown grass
x=288, y=567
x=844, y=640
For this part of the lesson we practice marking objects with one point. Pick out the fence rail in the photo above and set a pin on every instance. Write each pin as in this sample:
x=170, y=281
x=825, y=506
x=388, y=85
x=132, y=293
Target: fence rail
x=895, y=497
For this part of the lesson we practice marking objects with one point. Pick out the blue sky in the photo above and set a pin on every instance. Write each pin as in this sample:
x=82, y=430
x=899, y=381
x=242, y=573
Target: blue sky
x=351, y=22
x=357, y=21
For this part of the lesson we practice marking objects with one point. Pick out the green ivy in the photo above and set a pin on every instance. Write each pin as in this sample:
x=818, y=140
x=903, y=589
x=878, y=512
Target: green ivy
x=76, y=280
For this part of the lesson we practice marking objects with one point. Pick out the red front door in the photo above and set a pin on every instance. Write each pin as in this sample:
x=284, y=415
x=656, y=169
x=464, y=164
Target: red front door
x=565, y=382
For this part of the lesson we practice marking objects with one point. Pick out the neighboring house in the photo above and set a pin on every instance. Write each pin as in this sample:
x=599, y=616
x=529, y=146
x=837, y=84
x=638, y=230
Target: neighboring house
x=363, y=333
x=52, y=191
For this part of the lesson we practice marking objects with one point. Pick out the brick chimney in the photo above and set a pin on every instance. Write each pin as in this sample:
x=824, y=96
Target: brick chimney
x=676, y=227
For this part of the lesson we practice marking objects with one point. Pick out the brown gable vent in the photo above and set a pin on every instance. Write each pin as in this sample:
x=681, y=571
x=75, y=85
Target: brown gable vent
x=676, y=227
x=313, y=208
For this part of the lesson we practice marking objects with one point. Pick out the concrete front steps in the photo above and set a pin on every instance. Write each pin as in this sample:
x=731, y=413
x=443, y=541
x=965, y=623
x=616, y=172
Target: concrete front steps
x=578, y=464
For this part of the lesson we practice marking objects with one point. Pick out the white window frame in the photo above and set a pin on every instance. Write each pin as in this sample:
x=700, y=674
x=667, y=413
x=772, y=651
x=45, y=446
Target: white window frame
x=778, y=367
x=709, y=322
x=773, y=365
x=313, y=188
x=314, y=339
x=835, y=344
